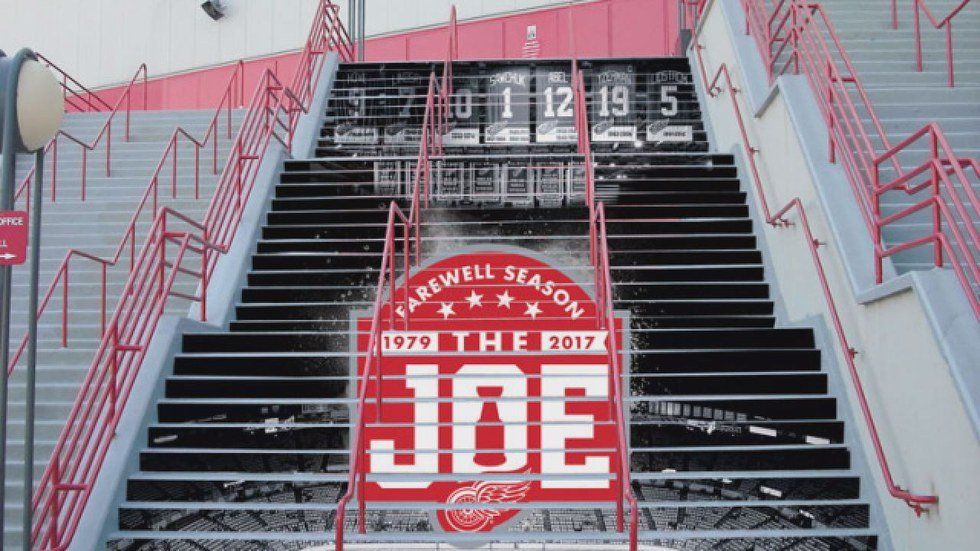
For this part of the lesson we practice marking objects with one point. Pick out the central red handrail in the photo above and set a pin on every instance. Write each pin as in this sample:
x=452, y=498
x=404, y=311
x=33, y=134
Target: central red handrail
x=690, y=11
x=77, y=458
x=412, y=247
x=799, y=36
x=433, y=127
x=605, y=316
x=89, y=101
x=714, y=88
x=919, y=6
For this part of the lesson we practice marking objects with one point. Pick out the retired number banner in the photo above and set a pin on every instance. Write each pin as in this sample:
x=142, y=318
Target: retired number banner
x=664, y=93
x=555, y=101
x=509, y=106
x=612, y=101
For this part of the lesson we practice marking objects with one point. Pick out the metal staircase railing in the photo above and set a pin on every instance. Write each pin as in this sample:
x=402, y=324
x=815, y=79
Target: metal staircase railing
x=721, y=81
x=798, y=36
x=434, y=122
x=918, y=7
x=149, y=199
x=605, y=317
x=76, y=461
x=80, y=98
x=430, y=143
x=105, y=133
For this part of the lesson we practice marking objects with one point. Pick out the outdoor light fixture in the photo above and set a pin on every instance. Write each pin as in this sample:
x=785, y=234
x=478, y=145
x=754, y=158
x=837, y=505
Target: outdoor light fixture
x=31, y=107
x=214, y=9
x=38, y=103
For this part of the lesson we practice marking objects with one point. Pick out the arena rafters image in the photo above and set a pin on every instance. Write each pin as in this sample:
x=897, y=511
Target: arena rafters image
x=549, y=275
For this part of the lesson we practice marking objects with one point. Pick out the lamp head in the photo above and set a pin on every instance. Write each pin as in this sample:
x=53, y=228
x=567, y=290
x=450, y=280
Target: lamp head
x=214, y=9
x=36, y=98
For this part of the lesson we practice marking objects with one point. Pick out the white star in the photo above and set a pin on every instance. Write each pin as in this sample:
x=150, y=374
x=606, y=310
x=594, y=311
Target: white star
x=475, y=300
x=446, y=310
x=504, y=300
x=533, y=310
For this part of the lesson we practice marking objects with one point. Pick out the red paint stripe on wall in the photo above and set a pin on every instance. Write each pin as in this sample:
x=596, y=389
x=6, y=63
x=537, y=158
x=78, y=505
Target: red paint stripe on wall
x=604, y=28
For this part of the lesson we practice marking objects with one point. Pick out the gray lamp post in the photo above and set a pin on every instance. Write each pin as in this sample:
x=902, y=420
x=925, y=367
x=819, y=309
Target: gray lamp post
x=31, y=109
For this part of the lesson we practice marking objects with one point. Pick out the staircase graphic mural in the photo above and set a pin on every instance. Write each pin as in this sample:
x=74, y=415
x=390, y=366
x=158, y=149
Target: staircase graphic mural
x=435, y=364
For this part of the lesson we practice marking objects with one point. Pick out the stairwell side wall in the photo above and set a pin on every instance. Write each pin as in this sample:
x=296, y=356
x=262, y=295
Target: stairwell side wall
x=923, y=419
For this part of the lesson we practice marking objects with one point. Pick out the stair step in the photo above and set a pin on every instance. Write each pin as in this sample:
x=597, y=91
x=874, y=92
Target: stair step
x=728, y=384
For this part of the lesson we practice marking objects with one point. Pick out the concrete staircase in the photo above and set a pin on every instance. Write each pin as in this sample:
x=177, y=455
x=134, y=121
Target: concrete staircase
x=905, y=99
x=735, y=436
x=95, y=226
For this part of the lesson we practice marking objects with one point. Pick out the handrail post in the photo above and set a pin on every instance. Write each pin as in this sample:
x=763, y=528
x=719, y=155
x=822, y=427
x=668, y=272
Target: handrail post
x=113, y=370
x=54, y=172
x=620, y=470
x=362, y=481
x=129, y=109
x=918, y=35
x=949, y=52
x=937, y=219
x=108, y=149
x=64, y=307
x=55, y=537
x=831, y=115
x=105, y=292
x=205, y=249
x=406, y=255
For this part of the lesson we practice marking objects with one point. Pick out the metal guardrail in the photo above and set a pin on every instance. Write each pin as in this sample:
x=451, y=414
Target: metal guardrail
x=599, y=256
x=77, y=458
x=799, y=37
x=721, y=81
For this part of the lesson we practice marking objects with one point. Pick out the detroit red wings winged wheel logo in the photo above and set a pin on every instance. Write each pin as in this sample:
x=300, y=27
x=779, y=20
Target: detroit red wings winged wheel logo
x=479, y=520
x=496, y=393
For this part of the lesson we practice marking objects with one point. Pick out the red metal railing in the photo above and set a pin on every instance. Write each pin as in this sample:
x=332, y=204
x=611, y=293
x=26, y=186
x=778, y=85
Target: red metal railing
x=690, y=11
x=150, y=198
x=75, y=462
x=721, y=81
x=104, y=132
x=799, y=36
x=919, y=6
x=605, y=317
x=79, y=98
x=446, y=86
x=946, y=201
x=77, y=458
x=412, y=246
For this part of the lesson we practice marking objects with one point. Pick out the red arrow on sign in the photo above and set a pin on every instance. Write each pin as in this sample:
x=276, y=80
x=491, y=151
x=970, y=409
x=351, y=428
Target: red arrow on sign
x=13, y=237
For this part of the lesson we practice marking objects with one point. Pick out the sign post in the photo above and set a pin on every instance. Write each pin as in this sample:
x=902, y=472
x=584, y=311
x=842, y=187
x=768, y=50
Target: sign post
x=31, y=109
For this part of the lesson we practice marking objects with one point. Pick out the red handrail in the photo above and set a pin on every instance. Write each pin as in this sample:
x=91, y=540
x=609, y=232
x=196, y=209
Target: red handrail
x=800, y=36
x=105, y=131
x=947, y=22
x=778, y=219
x=84, y=442
x=951, y=217
x=412, y=237
x=605, y=317
x=90, y=101
x=76, y=461
x=129, y=237
x=690, y=11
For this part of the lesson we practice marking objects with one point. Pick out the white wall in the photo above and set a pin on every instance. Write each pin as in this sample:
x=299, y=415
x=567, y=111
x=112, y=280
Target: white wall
x=102, y=42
